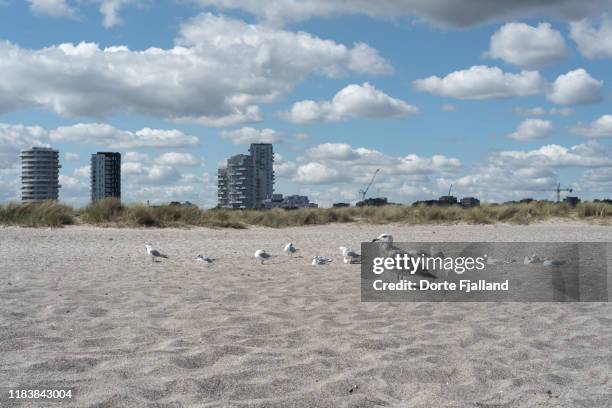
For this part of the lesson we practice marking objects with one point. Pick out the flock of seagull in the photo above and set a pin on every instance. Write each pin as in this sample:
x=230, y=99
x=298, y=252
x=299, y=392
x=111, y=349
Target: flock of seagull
x=349, y=255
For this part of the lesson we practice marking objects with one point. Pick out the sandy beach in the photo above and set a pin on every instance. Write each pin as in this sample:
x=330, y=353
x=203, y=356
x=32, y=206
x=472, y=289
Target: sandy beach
x=85, y=308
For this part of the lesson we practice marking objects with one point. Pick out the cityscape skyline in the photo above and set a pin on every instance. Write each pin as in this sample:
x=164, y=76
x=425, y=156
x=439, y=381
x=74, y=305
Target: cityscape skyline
x=502, y=102
x=243, y=182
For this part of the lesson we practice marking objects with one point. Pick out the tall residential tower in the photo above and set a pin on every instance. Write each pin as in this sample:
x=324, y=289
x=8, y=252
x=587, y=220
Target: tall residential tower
x=105, y=176
x=39, y=174
x=263, y=174
x=247, y=180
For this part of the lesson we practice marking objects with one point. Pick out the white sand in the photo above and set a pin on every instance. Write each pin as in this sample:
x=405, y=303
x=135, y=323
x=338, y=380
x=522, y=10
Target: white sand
x=84, y=308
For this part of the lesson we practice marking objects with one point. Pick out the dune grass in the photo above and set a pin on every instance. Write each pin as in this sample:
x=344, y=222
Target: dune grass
x=113, y=213
x=46, y=214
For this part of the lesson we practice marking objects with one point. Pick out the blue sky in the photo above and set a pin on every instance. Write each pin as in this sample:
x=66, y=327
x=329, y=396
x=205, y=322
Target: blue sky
x=502, y=100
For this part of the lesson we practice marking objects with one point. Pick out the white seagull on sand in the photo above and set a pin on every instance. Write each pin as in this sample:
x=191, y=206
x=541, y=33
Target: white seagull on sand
x=388, y=238
x=350, y=255
x=290, y=249
x=320, y=260
x=206, y=259
x=262, y=255
x=154, y=253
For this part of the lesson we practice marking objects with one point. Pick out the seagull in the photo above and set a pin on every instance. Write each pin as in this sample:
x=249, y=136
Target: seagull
x=154, y=253
x=290, y=249
x=552, y=262
x=533, y=259
x=388, y=238
x=204, y=258
x=496, y=261
x=320, y=260
x=391, y=251
x=350, y=256
x=262, y=255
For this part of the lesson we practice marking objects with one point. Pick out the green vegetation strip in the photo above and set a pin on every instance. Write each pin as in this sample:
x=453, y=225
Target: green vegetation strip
x=111, y=213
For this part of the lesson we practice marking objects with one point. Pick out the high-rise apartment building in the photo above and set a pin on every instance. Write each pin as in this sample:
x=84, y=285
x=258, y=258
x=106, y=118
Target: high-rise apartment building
x=263, y=176
x=235, y=183
x=247, y=180
x=39, y=174
x=105, y=176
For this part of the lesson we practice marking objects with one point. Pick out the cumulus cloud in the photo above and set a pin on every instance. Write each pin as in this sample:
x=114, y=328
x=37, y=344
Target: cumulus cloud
x=178, y=159
x=535, y=111
x=13, y=138
x=68, y=156
x=540, y=111
x=330, y=163
x=248, y=135
x=560, y=111
x=318, y=173
x=134, y=157
x=107, y=135
x=556, y=156
x=532, y=129
x=52, y=8
x=576, y=88
x=517, y=174
x=110, y=11
x=353, y=101
x=217, y=74
x=599, y=128
x=82, y=172
x=526, y=46
x=593, y=41
x=453, y=13
x=483, y=82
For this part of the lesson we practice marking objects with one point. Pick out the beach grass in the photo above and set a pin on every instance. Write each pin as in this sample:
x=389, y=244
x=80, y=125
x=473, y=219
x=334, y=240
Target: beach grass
x=45, y=214
x=111, y=212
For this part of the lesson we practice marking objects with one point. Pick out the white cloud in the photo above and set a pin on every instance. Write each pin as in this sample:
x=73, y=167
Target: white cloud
x=217, y=74
x=561, y=111
x=52, y=8
x=248, y=135
x=110, y=11
x=483, y=82
x=529, y=173
x=107, y=135
x=556, y=156
x=9, y=182
x=353, y=101
x=532, y=129
x=134, y=157
x=13, y=138
x=592, y=41
x=576, y=88
x=526, y=46
x=178, y=159
x=82, y=172
x=331, y=163
x=448, y=107
x=535, y=111
x=540, y=111
x=600, y=128
x=454, y=13
x=68, y=156
x=317, y=173
x=132, y=167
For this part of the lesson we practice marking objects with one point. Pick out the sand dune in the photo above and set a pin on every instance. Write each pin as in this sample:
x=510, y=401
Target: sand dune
x=85, y=308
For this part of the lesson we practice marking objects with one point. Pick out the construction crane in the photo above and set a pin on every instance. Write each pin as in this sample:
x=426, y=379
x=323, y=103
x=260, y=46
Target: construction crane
x=449, y=190
x=363, y=192
x=558, y=190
